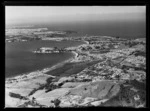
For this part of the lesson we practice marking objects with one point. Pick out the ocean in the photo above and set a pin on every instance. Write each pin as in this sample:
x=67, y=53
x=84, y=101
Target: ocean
x=19, y=58
x=126, y=29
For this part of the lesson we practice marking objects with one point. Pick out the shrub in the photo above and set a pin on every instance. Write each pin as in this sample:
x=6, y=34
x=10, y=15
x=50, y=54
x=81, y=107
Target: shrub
x=49, y=80
x=59, y=85
x=42, y=86
x=56, y=102
x=126, y=94
x=14, y=95
x=142, y=95
x=32, y=92
x=86, y=80
x=138, y=85
x=51, y=87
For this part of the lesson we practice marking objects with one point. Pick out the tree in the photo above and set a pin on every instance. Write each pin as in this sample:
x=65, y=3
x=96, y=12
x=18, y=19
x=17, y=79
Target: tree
x=56, y=102
x=117, y=77
x=55, y=48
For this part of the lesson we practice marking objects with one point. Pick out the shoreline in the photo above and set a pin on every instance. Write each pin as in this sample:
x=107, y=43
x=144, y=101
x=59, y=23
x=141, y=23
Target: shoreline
x=43, y=71
x=40, y=72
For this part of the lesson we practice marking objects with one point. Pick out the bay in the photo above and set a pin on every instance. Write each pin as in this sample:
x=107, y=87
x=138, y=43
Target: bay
x=20, y=59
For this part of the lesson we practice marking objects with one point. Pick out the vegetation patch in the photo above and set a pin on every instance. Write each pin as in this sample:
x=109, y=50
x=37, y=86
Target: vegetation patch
x=71, y=68
x=126, y=97
x=14, y=95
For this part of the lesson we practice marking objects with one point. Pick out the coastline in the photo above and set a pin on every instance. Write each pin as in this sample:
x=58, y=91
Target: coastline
x=38, y=72
x=47, y=87
x=43, y=71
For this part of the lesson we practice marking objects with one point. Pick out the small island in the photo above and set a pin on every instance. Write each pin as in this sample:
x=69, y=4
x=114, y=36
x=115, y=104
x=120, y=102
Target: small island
x=44, y=50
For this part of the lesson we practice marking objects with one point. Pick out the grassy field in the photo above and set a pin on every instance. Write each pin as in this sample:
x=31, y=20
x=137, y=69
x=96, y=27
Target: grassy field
x=71, y=68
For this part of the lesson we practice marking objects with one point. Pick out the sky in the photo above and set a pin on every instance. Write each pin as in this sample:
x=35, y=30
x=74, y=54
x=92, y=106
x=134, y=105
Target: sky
x=72, y=14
